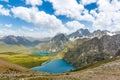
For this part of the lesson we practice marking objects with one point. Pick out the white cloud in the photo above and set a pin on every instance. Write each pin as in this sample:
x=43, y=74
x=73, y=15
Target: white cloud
x=50, y=23
x=108, y=17
x=74, y=25
x=27, y=29
x=66, y=7
x=103, y=21
x=5, y=32
x=34, y=2
x=85, y=2
x=8, y=25
x=5, y=0
x=106, y=6
x=4, y=11
x=71, y=9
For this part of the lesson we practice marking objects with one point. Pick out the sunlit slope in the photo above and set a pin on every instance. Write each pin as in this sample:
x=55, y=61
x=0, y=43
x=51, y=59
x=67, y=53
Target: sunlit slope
x=25, y=59
x=10, y=71
x=7, y=66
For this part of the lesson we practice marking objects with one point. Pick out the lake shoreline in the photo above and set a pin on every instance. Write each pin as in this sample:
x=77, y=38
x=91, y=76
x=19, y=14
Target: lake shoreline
x=60, y=65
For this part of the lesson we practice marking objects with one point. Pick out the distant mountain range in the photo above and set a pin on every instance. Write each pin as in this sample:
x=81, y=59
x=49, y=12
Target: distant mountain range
x=18, y=40
x=85, y=33
x=100, y=33
x=56, y=43
x=59, y=41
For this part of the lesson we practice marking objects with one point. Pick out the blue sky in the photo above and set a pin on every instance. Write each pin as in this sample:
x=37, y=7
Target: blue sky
x=46, y=18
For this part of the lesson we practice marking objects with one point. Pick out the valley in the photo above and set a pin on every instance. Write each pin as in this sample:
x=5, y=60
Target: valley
x=63, y=57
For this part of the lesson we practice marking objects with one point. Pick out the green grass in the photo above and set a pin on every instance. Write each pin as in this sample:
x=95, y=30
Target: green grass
x=25, y=59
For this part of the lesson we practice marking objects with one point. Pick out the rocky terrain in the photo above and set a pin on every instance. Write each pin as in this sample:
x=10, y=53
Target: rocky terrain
x=94, y=50
x=80, y=33
x=100, y=33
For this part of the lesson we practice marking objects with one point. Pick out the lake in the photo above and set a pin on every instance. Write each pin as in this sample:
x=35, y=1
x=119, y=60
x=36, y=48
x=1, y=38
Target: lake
x=41, y=53
x=55, y=66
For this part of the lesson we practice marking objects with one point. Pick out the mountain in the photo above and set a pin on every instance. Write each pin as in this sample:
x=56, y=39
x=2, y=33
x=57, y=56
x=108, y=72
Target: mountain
x=85, y=33
x=100, y=33
x=117, y=32
x=56, y=44
x=81, y=33
x=59, y=37
x=94, y=50
x=18, y=40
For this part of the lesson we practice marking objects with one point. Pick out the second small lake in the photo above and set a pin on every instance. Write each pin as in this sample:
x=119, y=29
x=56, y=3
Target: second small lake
x=41, y=53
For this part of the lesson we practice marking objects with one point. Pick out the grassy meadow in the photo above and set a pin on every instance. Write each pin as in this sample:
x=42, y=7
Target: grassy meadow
x=25, y=59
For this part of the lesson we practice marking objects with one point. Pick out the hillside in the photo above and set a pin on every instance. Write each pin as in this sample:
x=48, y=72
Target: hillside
x=105, y=70
x=10, y=71
x=25, y=59
x=7, y=66
x=94, y=50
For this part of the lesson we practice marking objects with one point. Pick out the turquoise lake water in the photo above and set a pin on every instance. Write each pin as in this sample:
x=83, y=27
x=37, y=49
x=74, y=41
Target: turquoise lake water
x=41, y=53
x=55, y=66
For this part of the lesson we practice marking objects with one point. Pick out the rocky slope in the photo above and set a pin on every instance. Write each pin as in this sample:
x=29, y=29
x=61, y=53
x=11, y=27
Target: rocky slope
x=100, y=33
x=80, y=33
x=60, y=41
x=94, y=50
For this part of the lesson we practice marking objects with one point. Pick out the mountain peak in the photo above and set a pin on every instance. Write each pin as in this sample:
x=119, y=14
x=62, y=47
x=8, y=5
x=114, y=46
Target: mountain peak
x=100, y=33
x=60, y=37
x=80, y=33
